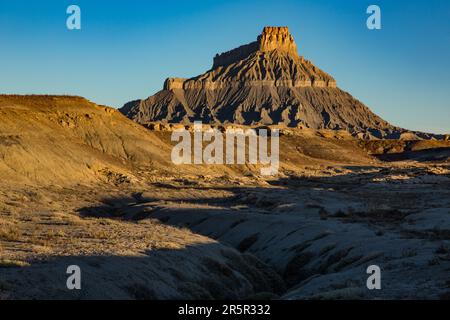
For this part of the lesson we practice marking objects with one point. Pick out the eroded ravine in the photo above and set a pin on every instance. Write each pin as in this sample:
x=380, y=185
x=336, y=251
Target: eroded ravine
x=321, y=240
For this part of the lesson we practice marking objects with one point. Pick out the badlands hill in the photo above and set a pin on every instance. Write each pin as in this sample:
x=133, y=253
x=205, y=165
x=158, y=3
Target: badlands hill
x=55, y=139
x=82, y=184
x=265, y=82
x=66, y=139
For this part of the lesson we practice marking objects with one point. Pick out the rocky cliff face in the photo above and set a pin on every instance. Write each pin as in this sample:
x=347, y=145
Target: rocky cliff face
x=264, y=82
x=272, y=60
x=272, y=38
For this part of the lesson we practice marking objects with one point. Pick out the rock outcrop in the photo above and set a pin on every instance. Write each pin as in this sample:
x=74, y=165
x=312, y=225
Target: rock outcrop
x=264, y=82
x=272, y=38
x=272, y=60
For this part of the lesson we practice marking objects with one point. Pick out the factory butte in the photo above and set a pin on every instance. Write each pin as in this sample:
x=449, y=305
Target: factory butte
x=264, y=82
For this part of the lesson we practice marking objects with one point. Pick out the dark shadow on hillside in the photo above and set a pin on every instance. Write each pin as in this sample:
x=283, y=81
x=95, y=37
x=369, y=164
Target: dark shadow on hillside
x=428, y=155
x=196, y=271
x=254, y=199
x=239, y=217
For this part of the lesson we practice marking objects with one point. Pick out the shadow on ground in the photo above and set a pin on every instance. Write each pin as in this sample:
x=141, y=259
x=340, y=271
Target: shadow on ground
x=196, y=271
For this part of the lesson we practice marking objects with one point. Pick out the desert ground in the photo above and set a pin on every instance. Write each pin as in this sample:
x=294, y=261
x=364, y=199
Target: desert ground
x=82, y=184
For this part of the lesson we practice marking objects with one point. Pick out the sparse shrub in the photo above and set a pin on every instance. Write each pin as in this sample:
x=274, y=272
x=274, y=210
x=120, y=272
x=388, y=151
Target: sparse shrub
x=191, y=290
x=99, y=234
x=323, y=214
x=3, y=286
x=346, y=262
x=217, y=267
x=6, y=263
x=300, y=246
x=295, y=270
x=321, y=236
x=9, y=233
x=442, y=249
x=218, y=291
x=408, y=253
x=313, y=206
x=51, y=234
x=141, y=292
x=445, y=296
x=327, y=249
x=265, y=202
x=434, y=261
x=334, y=258
x=247, y=242
x=236, y=223
x=340, y=294
x=339, y=214
x=263, y=277
x=263, y=296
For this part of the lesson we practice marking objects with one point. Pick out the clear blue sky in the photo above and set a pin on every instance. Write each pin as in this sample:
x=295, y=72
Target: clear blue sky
x=126, y=49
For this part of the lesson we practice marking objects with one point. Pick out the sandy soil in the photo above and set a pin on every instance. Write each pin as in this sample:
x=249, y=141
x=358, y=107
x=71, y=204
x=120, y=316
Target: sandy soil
x=295, y=237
